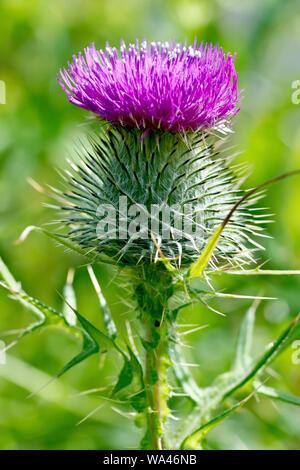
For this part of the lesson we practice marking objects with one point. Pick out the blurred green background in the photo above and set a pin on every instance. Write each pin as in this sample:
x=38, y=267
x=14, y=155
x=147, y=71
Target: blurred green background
x=38, y=129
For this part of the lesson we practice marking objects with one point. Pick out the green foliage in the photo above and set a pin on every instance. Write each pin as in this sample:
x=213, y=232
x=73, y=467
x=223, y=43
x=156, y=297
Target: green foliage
x=159, y=347
x=93, y=340
x=244, y=369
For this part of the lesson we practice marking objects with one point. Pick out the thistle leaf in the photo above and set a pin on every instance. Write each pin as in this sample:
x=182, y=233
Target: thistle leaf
x=107, y=317
x=93, y=339
x=272, y=393
x=131, y=369
x=244, y=341
x=48, y=316
x=126, y=376
x=97, y=335
x=193, y=441
x=229, y=382
x=183, y=375
x=243, y=371
x=198, y=267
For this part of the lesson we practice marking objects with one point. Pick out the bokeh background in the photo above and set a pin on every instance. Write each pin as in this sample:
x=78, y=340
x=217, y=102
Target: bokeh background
x=38, y=130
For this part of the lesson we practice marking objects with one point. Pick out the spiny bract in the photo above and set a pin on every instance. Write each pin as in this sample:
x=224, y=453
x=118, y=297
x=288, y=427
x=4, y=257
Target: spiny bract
x=180, y=193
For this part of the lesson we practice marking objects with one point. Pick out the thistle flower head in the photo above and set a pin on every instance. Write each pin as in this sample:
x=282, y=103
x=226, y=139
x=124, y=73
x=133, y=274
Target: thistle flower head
x=141, y=191
x=160, y=85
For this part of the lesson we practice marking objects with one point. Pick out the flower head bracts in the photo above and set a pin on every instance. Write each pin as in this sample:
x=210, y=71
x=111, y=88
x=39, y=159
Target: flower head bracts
x=166, y=86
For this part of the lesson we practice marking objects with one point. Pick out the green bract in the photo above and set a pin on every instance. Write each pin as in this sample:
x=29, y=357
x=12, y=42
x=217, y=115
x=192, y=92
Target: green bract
x=135, y=200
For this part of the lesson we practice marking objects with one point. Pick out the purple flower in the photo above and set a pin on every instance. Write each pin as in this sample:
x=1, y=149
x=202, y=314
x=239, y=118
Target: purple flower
x=159, y=85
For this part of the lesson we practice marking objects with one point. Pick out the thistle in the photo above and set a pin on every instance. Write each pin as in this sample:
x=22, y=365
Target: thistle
x=154, y=193
x=166, y=102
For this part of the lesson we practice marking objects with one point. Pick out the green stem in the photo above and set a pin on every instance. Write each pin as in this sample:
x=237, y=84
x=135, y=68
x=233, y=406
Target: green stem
x=154, y=418
x=153, y=289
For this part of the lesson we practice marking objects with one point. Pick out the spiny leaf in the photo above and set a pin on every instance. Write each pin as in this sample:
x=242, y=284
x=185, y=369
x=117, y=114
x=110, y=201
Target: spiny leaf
x=132, y=368
x=193, y=441
x=89, y=347
x=94, y=333
x=183, y=375
x=126, y=376
x=107, y=317
x=284, y=340
x=93, y=339
x=244, y=341
x=238, y=378
x=197, y=268
x=48, y=316
x=226, y=384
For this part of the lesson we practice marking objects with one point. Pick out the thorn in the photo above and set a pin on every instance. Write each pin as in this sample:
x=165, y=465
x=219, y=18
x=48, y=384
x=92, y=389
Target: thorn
x=237, y=296
x=31, y=395
x=213, y=309
x=92, y=390
x=25, y=234
x=175, y=418
x=193, y=330
x=44, y=191
x=125, y=415
x=35, y=185
x=70, y=276
x=91, y=413
x=94, y=280
x=130, y=337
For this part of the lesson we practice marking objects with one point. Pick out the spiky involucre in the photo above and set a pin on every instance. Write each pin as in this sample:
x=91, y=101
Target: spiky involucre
x=162, y=169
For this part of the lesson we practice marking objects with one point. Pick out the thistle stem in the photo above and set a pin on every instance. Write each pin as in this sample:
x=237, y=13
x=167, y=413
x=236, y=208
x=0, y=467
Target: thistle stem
x=152, y=291
x=153, y=362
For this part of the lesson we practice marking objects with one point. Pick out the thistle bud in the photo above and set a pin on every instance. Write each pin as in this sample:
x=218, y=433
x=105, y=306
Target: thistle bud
x=154, y=181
